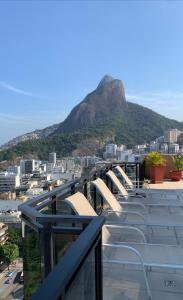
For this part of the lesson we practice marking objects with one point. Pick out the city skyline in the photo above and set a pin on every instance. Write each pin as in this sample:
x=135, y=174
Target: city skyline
x=53, y=54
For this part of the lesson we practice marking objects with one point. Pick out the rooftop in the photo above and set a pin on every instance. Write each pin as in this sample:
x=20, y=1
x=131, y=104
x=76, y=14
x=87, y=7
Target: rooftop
x=142, y=258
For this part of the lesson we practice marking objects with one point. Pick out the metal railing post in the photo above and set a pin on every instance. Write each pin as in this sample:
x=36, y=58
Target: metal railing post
x=136, y=175
x=98, y=269
x=85, y=190
x=95, y=194
x=47, y=247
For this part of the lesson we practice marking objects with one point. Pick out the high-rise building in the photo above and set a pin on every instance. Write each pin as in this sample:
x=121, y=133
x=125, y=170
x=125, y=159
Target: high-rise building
x=52, y=158
x=27, y=166
x=170, y=136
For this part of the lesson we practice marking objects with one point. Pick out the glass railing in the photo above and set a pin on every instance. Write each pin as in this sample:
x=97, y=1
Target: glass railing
x=50, y=232
x=54, y=236
x=78, y=274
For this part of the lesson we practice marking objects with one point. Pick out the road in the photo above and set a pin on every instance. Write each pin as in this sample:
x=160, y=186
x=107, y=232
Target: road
x=13, y=290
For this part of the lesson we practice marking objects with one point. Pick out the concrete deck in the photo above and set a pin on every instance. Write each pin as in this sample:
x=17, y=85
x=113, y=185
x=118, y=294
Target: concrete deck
x=126, y=282
x=168, y=185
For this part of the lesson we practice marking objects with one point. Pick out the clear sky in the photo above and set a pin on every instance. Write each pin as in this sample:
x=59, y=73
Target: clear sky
x=52, y=53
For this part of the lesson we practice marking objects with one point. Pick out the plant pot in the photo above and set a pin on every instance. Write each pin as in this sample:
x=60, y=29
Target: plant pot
x=157, y=174
x=176, y=175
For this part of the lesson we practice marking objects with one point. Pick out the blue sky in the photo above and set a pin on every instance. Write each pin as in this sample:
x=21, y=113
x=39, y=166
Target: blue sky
x=52, y=53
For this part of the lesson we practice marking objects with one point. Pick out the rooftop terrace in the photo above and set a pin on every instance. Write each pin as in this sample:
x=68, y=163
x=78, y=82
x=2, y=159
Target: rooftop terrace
x=63, y=257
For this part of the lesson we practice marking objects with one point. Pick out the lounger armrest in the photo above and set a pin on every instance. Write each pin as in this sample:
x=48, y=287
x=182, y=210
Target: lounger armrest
x=125, y=227
x=134, y=204
x=127, y=212
x=121, y=196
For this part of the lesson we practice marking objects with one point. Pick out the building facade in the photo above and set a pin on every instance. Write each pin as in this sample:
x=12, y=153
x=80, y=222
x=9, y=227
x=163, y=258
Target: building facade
x=8, y=182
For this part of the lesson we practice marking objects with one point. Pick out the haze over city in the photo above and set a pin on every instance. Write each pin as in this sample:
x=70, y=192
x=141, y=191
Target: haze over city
x=52, y=55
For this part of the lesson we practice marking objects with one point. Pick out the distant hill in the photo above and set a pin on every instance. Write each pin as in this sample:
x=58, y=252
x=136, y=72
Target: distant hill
x=37, y=134
x=103, y=116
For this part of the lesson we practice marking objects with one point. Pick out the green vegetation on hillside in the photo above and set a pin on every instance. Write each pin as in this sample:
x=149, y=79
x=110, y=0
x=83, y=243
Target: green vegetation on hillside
x=135, y=126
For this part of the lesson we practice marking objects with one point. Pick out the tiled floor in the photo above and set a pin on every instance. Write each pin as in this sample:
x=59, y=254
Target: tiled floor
x=170, y=185
x=126, y=282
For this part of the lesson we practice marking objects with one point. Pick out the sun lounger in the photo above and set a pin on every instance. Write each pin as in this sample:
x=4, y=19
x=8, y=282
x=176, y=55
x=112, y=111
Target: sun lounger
x=142, y=218
x=147, y=201
x=142, y=254
x=145, y=189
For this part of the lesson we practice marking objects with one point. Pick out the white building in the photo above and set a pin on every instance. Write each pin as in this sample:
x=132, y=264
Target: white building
x=88, y=161
x=164, y=148
x=49, y=167
x=140, y=148
x=125, y=156
x=62, y=176
x=34, y=192
x=173, y=148
x=121, y=148
x=8, y=182
x=110, y=150
x=68, y=164
x=42, y=168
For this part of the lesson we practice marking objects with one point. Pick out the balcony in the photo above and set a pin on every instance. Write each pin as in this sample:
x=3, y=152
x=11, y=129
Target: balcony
x=63, y=256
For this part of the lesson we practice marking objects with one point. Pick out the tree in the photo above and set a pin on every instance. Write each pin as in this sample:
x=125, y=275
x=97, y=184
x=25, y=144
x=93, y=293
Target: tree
x=14, y=236
x=8, y=253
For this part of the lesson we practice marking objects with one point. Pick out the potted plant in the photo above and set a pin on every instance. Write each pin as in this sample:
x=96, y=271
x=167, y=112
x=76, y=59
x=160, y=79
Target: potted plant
x=157, y=166
x=176, y=174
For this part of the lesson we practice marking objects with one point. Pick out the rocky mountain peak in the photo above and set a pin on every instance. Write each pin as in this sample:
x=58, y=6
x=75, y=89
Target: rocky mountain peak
x=105, y=80
x=107, y=99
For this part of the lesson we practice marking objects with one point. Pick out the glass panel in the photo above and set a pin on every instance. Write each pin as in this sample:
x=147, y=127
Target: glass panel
x=62, y=243
x=83, y=286
x=32, y=262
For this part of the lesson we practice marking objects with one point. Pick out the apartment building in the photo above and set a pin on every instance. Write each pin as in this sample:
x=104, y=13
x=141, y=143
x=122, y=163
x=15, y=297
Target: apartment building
x=8, y=182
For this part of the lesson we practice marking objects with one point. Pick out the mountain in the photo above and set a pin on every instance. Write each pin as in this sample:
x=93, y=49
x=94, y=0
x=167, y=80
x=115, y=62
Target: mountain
x=108, y=98
x=103, y=116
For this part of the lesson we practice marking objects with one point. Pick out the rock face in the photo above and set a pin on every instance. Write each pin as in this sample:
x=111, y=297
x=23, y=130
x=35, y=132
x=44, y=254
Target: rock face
x=107, y=99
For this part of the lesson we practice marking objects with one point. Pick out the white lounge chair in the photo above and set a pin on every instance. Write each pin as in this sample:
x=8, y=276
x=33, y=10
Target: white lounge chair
x=171, y=221
x=145, y=189
x=138, y=254
x=147, y=201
